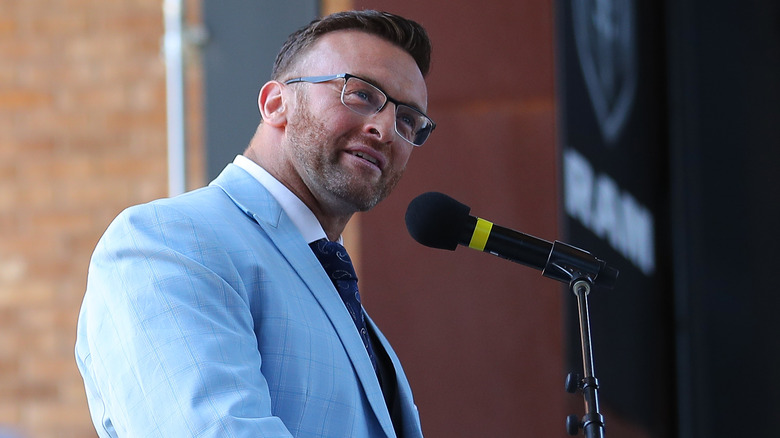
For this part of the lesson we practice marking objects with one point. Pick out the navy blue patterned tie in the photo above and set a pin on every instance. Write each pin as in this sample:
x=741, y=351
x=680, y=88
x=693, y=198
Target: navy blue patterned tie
x=338, y=265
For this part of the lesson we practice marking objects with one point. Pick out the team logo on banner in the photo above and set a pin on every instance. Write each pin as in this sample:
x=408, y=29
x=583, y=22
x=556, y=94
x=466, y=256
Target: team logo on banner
x=605, y=37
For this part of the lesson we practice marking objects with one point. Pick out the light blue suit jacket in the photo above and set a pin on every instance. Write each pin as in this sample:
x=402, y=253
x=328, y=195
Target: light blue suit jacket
x=208, y=315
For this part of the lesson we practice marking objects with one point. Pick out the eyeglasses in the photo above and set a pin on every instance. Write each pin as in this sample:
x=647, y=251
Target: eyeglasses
x=367, y=99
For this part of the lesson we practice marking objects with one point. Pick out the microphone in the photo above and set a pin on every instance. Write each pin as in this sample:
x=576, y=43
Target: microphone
x=438, y=221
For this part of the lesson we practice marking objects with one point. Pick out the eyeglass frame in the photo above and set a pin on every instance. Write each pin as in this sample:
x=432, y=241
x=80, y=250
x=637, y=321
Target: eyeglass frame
x=347, y=77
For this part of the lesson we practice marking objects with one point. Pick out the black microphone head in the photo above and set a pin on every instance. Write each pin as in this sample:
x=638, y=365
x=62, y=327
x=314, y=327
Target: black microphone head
x=436, y=220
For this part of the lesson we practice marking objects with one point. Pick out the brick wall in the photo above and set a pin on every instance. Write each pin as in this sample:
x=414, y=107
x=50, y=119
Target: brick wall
x=82, y=136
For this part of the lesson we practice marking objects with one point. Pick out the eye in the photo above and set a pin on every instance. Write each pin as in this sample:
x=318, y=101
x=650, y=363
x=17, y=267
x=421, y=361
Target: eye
x=406, y=120
x=361, y=94
x=364, y=96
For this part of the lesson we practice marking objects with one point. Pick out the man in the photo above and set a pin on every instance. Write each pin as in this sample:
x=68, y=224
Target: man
x=210, y=315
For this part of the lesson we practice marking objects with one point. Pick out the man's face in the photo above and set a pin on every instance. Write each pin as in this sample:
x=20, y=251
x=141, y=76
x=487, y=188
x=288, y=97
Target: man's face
x=347, y=161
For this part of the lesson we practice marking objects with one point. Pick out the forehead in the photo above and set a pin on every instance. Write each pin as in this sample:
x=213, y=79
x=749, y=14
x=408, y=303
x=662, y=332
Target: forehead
x=370, y=57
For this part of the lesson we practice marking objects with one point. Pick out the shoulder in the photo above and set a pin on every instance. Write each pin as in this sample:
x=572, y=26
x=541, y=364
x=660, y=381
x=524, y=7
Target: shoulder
x=202, y=220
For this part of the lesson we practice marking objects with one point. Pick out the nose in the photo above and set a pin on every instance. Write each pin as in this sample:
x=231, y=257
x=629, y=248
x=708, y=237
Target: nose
x=382, y=124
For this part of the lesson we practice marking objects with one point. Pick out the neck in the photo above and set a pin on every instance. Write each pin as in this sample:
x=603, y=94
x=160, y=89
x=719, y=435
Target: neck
x=334, y=229
x=332, y=220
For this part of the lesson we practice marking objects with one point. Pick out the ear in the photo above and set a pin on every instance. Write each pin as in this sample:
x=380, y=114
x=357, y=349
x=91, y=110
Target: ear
x=271, y=102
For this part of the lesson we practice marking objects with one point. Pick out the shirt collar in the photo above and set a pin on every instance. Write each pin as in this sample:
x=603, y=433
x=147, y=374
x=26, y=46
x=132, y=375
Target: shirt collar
x=298, y=212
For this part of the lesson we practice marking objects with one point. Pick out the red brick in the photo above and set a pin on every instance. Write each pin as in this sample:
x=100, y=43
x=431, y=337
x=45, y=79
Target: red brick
x=82, y=136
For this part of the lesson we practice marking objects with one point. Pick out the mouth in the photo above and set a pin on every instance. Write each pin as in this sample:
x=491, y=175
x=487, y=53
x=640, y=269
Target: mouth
x=366, y=157
x=376, y=161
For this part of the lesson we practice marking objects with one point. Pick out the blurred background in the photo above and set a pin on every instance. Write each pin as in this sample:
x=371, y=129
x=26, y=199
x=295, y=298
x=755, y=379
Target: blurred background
x=644, y=132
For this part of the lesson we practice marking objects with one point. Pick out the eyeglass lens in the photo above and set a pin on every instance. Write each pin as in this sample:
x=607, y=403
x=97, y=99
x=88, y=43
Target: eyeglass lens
x=366, y=99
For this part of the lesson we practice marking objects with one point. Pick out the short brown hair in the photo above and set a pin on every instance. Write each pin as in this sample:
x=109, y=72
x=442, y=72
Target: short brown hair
x=400, y=31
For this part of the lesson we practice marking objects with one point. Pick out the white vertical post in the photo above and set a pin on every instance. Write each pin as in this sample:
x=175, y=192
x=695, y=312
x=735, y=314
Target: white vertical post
x=174, y=78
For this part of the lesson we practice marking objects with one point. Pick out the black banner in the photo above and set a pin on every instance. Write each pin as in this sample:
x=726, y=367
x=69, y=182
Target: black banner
x=614, y=187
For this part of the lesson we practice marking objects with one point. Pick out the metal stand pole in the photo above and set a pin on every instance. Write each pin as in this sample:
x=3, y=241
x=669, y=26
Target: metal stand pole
x=593, y=422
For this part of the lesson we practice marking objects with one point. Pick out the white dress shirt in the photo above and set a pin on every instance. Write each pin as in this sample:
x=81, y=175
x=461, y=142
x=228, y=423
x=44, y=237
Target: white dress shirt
x=299, y=213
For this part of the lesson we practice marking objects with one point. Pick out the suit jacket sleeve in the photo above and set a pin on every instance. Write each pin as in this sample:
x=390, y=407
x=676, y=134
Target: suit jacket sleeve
x=166, y=342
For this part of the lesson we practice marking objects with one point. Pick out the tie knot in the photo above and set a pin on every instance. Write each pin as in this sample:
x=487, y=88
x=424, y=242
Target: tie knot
x=334, y=259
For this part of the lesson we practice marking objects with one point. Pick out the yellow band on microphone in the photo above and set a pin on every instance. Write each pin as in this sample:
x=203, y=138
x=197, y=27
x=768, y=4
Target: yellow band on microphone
x=481, y=233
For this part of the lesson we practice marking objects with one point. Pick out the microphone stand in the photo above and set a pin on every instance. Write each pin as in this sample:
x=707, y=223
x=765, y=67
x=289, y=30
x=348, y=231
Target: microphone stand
x=593, y=422
x=563, y=265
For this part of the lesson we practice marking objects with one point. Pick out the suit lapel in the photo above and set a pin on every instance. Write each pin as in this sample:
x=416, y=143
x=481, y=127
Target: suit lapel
x=249, y=195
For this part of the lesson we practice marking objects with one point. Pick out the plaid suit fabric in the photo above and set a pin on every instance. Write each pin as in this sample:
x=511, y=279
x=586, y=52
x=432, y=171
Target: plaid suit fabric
x=208, y=315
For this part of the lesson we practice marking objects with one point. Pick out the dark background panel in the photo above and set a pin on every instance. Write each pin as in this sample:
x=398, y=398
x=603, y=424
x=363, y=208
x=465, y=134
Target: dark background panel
x=725, y=131
x=243, y=40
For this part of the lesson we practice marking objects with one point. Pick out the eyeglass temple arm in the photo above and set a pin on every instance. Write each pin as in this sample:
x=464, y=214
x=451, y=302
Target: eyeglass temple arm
x=315, y=79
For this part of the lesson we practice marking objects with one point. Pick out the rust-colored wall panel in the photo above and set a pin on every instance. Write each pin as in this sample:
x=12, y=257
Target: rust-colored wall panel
x=480, y=337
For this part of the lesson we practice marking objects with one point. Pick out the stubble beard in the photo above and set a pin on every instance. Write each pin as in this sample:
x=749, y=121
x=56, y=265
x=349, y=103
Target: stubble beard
x=318, y=165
